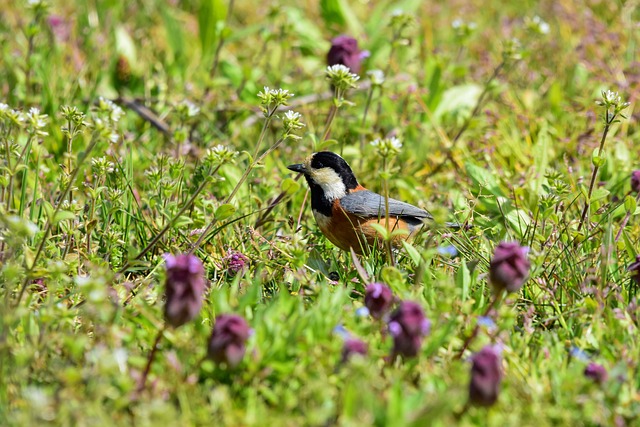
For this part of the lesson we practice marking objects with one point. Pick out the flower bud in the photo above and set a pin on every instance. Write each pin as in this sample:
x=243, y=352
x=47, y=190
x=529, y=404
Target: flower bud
x=635, y=181
x=509, y=267
x=486, y=375
x=236, y=263
x=353, y=346
x=378, y=298
x=408, y=326
x=344, y=50
x=596, y=372
x=184, y=288
x=228, y=339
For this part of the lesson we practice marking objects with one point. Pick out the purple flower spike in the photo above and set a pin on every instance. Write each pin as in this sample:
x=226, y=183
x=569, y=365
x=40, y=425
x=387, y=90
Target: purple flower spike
x=596, y=372
x=509, y=267
x=184, y=288
x=228, y=339
x=344, y=50
x=378, y=298
x=353, y=346
x=408, y=326
x=236, y=263
x=635, y=181
x=486, y=375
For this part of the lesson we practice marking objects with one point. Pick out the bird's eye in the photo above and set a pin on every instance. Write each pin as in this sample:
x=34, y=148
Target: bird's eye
x=319, y=165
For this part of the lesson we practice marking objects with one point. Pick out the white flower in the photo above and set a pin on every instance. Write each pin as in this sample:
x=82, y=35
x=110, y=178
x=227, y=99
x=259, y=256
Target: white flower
x=376, y=77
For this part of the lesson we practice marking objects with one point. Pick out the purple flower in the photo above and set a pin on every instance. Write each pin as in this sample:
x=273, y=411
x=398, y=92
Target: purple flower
x=59, y=27
x=635, y=181
x=184, y=288
x=353, y=346
x=378, y=298
x=236, y=262
x=486, y=375
x=344, y=50
x=408, y=326
x=228, y=339
x=596, y=372
x=634, y=268
x=509, y=267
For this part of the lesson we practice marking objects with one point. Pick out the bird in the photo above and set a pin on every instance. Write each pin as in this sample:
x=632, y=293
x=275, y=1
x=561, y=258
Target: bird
x=345, y=210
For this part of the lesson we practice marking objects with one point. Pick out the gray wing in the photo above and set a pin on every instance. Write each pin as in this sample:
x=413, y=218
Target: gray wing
x=371, y=205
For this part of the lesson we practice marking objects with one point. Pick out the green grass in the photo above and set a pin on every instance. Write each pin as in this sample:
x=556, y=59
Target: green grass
x=498, y=135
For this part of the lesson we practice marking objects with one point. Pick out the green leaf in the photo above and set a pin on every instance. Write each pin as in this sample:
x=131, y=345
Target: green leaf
x=125, y=45
x=338, y=13
x=182, y=221
x=458, y=101
x=225, y=211
x=599, y=194
x=463, y=280
x=382, y=231
x=311, y=38
x=175, y=35
x=412, y=252
x=392, y=277
x=630, y=204
x=211, y=18
x=483, y=178
x=290, y=186
x=63, y=215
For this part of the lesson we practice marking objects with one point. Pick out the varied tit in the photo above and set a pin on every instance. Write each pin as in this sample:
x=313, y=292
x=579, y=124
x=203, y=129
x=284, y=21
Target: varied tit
x=345, y=210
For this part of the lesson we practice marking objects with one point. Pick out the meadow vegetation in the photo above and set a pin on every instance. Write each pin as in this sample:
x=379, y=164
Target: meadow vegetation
x=160, y=264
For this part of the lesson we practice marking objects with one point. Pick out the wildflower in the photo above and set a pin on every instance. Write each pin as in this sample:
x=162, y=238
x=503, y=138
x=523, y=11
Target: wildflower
x=634, y=268
x=537, y=25
x=509, y=267
x=512, y=50
x=378, y=299
x=341, y=77
x=596, y=372
x=353, y=346
x=112, y=111
x=612, y=99
x=408, y=326
x=344, y=50
x=376, y=77
x=187, y=109
x=236, y=262
x=184, y=288
x=59, y=27
x=635, y=181
x=271, y=99
x=448, y=250
x=387, y=147
x=228, y=339
x=291, y=122
x=36, y=121
x=486, y=375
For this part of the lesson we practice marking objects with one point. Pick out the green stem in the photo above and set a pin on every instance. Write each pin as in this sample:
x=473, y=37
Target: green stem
x=496, y=297
x=364, y=121
x=51, y=219
x=143, y=380
x=467, y=122
x=594, y=174
x=244, y=176
x=626, y=220
x=162, y=232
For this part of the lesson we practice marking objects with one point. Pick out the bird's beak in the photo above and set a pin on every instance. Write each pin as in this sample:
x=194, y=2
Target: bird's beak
x=297, y=168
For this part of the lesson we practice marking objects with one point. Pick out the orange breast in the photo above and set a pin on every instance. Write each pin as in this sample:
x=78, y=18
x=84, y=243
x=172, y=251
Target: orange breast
x=349, y=231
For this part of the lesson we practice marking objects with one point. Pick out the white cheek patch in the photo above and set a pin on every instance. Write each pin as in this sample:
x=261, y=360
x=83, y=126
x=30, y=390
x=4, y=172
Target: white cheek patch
x=331, y=183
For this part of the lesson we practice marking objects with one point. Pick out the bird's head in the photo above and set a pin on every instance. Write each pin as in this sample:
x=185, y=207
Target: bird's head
x=327, y=172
